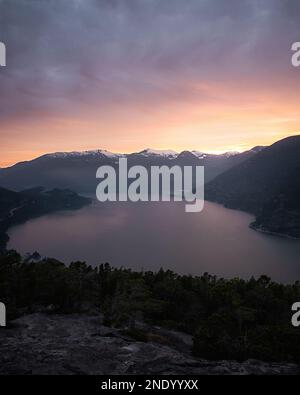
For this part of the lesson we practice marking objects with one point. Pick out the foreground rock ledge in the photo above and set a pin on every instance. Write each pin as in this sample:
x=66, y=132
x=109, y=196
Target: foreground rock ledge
x=80, y=344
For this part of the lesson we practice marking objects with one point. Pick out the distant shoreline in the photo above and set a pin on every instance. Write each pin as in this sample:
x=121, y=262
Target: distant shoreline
x=37, y=204
x=270, y=233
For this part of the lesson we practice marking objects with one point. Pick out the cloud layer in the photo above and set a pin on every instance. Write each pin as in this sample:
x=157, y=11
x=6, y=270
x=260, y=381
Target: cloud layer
x=104, y=57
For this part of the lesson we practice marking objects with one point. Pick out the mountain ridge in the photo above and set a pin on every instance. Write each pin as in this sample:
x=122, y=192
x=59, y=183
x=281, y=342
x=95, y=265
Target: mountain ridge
x=77, y=170
x=145, y=152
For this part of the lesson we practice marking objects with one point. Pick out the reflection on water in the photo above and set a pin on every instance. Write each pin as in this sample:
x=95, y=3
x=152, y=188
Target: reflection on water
x=153, y=235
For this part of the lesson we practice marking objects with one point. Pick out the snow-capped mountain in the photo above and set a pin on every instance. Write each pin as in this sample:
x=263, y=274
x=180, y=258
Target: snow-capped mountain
x=230, y=153
x=75, y=154
x=258, y=148
x=148, y=152
x=77, y=170
x=163, y=153
x=199, y=154
x=104, y=153
x=203, y=155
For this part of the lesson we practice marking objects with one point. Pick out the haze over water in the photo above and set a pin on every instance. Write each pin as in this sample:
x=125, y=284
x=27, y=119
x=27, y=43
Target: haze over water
x=153, y=235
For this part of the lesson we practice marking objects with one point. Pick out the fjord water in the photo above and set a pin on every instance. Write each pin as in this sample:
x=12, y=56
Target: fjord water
x=152, y=235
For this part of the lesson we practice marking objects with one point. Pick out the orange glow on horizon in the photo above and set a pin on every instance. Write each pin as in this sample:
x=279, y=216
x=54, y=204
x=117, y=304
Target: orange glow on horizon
x=234, y=119
x=122, y=77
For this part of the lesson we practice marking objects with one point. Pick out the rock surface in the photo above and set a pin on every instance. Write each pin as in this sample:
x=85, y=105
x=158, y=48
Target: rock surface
x=80, y=344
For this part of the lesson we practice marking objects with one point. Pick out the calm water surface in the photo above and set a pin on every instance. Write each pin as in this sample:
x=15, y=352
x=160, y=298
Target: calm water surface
x=153, y=235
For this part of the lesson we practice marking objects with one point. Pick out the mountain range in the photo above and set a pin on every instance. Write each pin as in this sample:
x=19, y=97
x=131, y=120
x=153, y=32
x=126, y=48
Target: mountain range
x=77, y=170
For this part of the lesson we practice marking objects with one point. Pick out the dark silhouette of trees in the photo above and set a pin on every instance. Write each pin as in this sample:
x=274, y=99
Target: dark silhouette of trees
x=229, y=319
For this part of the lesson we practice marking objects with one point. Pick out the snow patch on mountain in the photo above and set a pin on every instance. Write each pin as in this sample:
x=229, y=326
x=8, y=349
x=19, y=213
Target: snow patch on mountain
x=199, y=154
x=231, y=153
x=154, y=152
x=170, y=154
x=203, y=155
x=75, y=154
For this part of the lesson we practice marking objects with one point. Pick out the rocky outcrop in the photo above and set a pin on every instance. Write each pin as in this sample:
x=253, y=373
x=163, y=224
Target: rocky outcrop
x=79, y=344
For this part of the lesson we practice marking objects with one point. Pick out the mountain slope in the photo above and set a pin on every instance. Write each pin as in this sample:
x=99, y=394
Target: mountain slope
x=266, y=185
x=8, y=200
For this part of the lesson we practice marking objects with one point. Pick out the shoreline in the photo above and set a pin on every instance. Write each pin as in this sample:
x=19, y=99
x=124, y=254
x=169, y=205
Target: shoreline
x=20, y=217
x=254, y=227
x=270, y=233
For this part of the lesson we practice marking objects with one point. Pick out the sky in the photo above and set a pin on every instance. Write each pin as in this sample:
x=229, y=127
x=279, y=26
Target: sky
x=124, y=75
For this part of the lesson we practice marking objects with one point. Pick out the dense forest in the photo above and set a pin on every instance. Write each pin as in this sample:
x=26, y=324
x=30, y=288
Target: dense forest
x=229, y=319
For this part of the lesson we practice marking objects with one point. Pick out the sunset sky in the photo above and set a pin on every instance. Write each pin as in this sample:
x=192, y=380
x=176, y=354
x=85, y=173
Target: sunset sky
x=124, y=75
